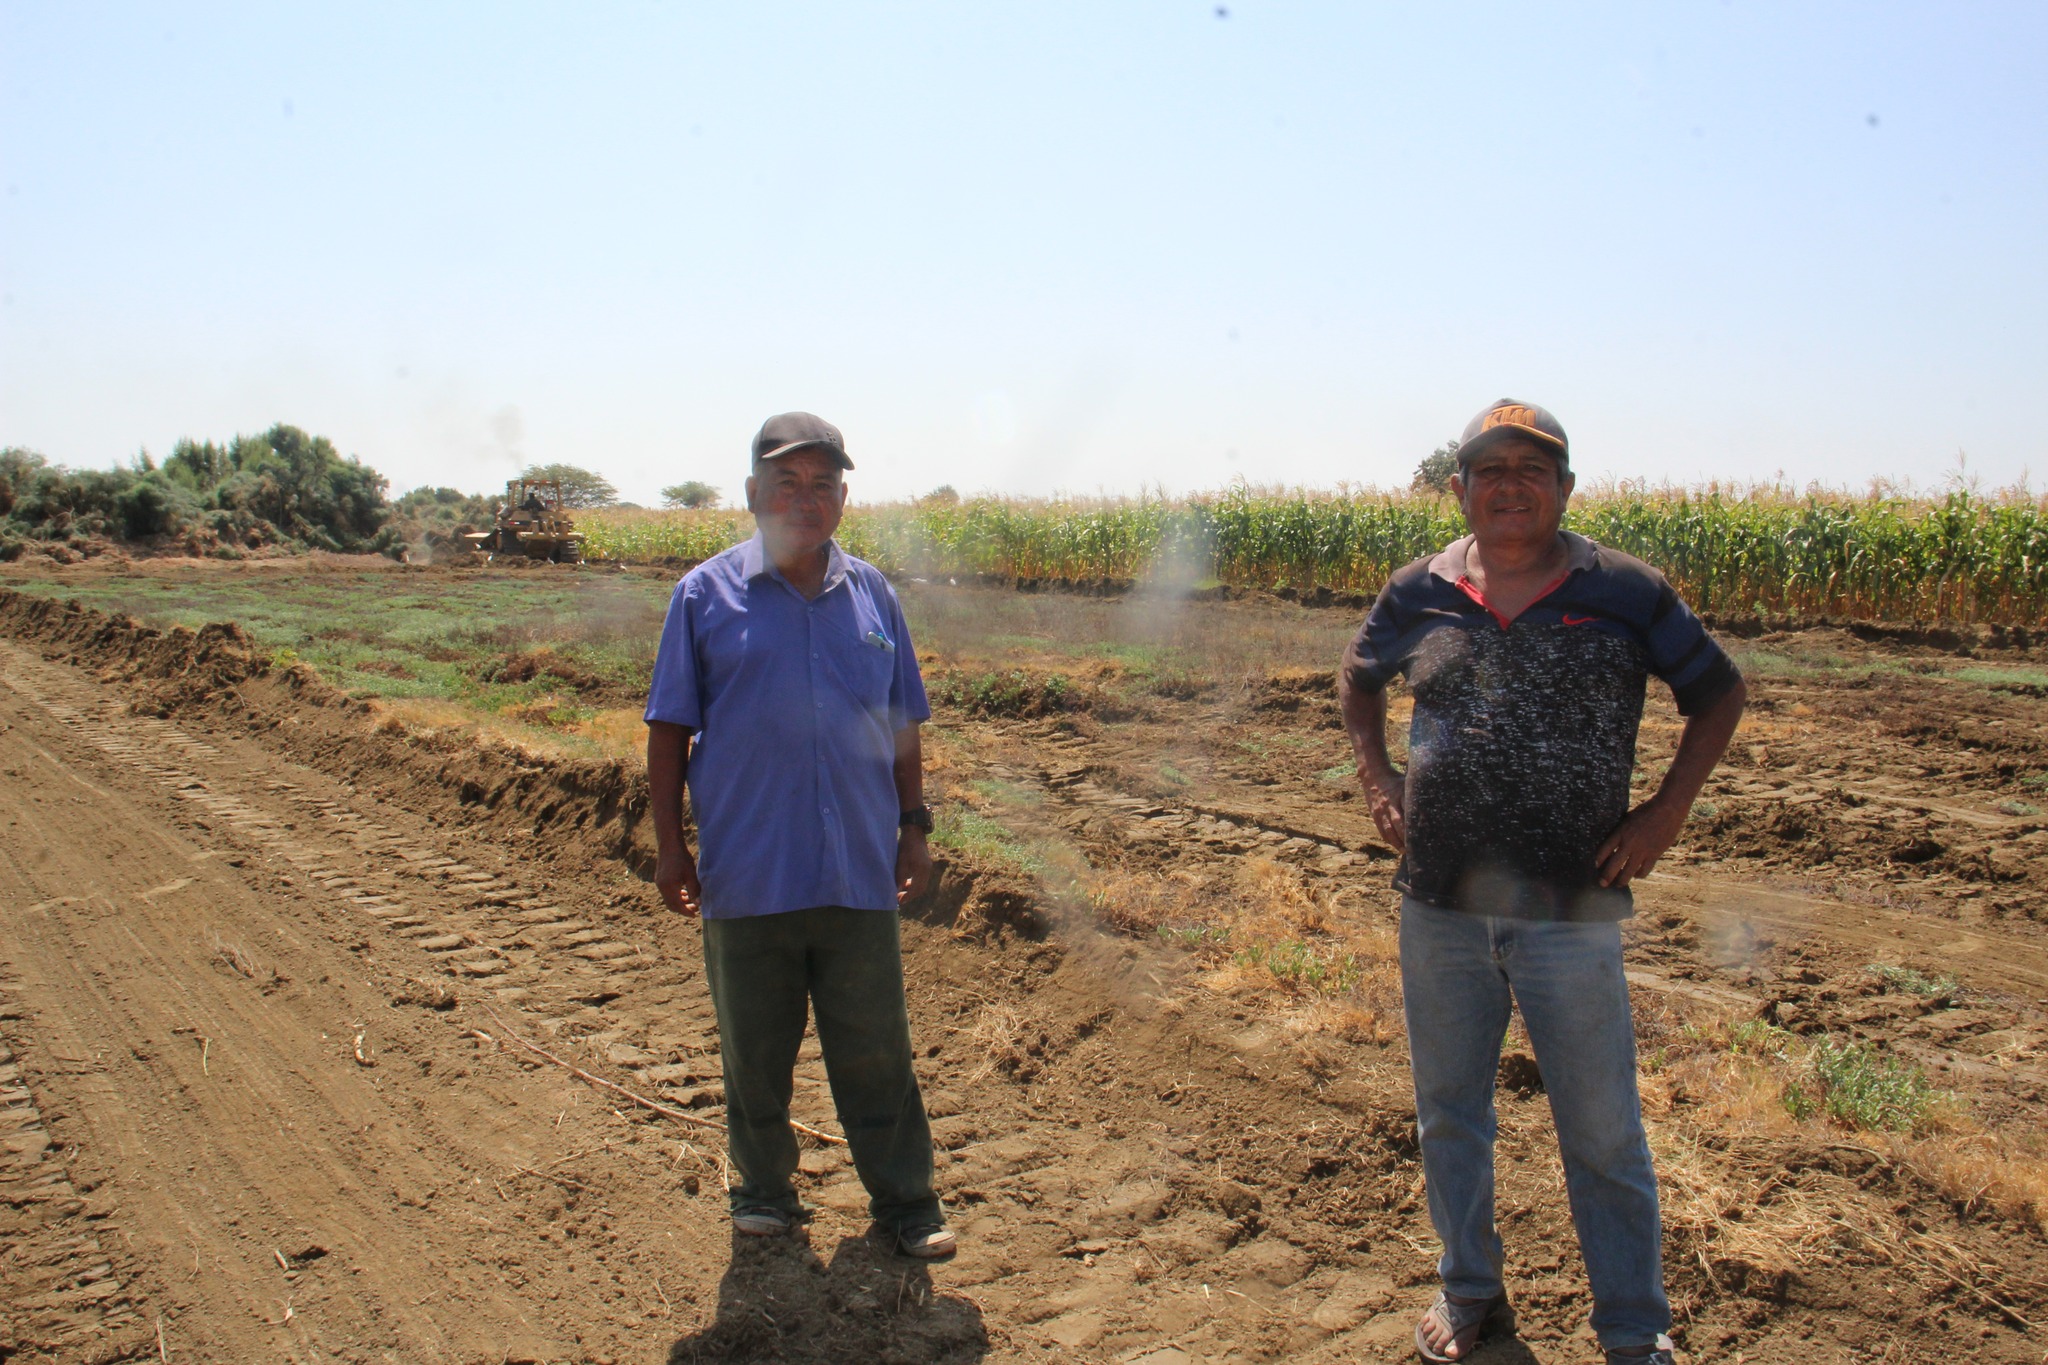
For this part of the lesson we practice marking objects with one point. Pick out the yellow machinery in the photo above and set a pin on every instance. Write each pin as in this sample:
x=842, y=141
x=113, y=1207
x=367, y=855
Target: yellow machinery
x=532, y=524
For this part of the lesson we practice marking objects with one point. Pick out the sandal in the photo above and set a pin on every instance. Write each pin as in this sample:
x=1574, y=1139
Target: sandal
x=1467, y=1324
x=759, y=1220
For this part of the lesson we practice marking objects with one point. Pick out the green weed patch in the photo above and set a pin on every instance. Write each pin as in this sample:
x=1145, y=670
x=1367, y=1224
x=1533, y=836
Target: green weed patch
x=1012, y=692
x=1302, y=966
x=984, y=840
x=1865, y=1088
x=1907, y=981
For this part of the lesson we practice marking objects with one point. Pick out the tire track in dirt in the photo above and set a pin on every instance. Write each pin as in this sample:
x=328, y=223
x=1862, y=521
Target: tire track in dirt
x=475, y=924
x=179, y=1043
x=62, y=1290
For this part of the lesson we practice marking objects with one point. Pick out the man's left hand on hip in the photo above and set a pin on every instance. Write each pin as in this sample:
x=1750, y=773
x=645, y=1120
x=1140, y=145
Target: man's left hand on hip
x=1642, y=837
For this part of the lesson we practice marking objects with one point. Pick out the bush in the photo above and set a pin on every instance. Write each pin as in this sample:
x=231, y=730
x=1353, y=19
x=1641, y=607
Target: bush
x=1014, y=693
x=1867, y=1089
x=283, y=485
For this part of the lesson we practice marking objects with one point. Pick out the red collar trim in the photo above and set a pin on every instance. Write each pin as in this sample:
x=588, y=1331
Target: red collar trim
x=1471, y=590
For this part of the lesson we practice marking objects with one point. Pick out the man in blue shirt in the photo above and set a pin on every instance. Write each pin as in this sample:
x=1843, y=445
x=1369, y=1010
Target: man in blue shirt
x=1527, y=649
x=786, y=696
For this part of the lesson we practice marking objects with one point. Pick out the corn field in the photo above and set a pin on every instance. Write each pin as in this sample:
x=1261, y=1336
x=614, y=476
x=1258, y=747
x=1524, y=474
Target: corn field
x=1961, y=558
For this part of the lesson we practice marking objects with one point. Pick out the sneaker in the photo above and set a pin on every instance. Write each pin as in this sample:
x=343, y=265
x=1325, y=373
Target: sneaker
x=927, y=1241
x=1659, y=1352
x=759, y=1220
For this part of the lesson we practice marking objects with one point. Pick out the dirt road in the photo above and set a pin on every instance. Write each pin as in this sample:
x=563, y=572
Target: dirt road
x=258, y=992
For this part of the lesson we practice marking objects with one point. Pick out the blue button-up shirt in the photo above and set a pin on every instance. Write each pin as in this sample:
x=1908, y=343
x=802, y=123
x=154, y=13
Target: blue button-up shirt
x=795, y=704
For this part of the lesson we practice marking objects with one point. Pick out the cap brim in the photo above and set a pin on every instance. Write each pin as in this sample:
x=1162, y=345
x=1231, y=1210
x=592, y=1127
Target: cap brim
x=839, y=456
x=1493, y=435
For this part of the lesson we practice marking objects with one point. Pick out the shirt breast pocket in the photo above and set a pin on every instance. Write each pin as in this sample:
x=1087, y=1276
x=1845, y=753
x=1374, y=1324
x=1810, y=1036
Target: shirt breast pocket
x=865, y=661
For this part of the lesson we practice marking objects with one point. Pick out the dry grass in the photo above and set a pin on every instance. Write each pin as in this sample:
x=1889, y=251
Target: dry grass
x=1732, y=1223
x=2005, y=1173
x=999, y=1034
x=609, y=734
x=1269, y=930
x=1716, y=1088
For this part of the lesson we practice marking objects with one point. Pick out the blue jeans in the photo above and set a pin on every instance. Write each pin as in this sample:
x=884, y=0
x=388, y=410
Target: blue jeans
x=1458, y=972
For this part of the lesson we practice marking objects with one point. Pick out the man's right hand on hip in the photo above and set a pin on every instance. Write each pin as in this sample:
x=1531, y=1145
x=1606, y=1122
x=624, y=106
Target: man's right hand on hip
x=1386, y=795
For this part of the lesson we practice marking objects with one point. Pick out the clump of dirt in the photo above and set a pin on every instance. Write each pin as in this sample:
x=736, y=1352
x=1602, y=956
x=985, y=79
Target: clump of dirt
x=548, y=666
x=1291, y=691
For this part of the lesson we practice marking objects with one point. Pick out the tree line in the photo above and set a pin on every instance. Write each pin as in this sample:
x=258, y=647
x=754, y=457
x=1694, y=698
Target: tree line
x=281, y=488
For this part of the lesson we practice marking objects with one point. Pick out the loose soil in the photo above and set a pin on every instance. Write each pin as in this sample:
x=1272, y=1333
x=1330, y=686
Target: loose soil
x=264, y=956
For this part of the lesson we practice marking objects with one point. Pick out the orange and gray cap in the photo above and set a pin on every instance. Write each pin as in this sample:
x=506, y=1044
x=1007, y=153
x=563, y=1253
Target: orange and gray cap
x=788, y=431
x=1512, y=417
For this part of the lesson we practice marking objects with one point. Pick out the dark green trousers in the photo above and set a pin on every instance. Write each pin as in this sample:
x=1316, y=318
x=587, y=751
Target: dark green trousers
x=846, y=967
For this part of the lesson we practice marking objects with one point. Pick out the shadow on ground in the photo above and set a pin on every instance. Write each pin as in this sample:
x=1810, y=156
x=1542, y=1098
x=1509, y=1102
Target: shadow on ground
x=778, y=1302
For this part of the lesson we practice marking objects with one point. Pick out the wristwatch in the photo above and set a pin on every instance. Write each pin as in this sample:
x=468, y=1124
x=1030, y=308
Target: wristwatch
x=920, y=818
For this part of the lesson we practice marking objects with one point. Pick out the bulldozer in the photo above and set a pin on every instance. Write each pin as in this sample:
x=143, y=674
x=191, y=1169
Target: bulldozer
x=532, y=524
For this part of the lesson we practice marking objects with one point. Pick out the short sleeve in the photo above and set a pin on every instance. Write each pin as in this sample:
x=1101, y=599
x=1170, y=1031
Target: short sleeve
x=675, y=696
x=907, y=703
x=1370, y=661
x=1682, y=653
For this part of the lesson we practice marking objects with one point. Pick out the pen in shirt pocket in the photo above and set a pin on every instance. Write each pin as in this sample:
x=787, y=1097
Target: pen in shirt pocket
x=881, y=641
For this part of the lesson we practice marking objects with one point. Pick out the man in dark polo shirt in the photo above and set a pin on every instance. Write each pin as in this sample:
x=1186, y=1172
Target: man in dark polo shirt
x=1527, y=649
x=786, y=695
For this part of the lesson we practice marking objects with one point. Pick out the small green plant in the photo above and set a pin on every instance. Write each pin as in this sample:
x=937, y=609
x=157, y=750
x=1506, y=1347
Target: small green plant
x=1798, y=1103
x=1867, y=1089
x=1300, y=965
x=1173, y=775
x=976, y=835
x=1907, y=981
x=1008, y=793
x=2037, y=780
x=2020, y=808
x=1192, y=936
x=1005, y=692
x=1760, y=1038
x=1343, y=774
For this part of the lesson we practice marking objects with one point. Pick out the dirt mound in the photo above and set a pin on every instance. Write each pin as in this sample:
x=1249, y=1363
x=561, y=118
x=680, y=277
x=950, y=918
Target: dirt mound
x=593, y=807
x=545, y=666
x=1014, y=693
x=585, y=813
x=170, y=668
x=1994, y=636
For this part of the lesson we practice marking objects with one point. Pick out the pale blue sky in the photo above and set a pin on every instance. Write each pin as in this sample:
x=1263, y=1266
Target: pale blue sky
x=1025, y=248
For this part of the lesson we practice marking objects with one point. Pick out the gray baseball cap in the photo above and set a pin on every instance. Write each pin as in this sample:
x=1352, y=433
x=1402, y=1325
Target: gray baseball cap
x=1512, y=417
x=789, y=431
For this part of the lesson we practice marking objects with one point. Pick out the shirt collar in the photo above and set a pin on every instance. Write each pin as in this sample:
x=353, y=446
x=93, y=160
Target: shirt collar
x=754, y=562
x=1449, y=562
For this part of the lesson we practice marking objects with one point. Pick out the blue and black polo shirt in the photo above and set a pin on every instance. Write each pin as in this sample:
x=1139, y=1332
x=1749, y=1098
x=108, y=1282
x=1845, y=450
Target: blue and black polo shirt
x=1524, y=734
